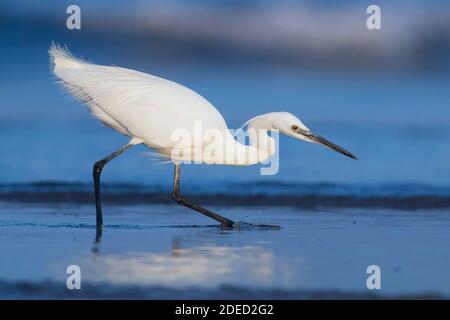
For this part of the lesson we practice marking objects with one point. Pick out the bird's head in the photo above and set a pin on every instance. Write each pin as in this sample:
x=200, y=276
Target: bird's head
x=292, y=126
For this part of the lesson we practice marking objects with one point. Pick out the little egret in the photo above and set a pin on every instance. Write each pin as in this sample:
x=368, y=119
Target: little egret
x=148, y=109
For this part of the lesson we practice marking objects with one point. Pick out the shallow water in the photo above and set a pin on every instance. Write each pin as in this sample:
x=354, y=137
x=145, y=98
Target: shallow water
x=337, y=216
x=166, y=251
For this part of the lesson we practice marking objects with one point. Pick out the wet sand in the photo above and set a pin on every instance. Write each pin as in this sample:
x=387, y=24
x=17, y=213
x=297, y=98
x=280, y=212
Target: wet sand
x=162, y=251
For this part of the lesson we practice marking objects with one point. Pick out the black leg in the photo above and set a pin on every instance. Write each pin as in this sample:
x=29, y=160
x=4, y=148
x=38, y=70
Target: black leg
x=98, y=167
x=225, y=223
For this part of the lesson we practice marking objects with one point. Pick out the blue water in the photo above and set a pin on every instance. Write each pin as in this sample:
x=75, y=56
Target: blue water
x=397, y=124
x=167, y=252
x=395, y=120
x=337, y=216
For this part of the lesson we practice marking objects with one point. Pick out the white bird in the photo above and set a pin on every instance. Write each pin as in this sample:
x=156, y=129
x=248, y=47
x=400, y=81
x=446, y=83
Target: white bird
x=149, y=110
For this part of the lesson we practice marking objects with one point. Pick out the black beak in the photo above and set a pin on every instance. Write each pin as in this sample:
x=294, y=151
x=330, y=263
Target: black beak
x=329, y=144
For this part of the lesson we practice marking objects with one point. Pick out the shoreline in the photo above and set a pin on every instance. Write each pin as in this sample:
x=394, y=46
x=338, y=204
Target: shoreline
x=257, y=200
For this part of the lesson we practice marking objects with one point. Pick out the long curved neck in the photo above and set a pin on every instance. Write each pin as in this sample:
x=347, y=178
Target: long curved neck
x=233, y=150
x=261, y=146
x=261, y=142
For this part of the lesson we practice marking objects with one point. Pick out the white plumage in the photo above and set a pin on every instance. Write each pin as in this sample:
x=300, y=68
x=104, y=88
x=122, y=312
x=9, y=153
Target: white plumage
x=149, y=109
x=138, y=105
x=165, y=116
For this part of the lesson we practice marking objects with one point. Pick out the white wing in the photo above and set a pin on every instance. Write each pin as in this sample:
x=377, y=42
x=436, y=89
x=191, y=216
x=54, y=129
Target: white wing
x=134, y=103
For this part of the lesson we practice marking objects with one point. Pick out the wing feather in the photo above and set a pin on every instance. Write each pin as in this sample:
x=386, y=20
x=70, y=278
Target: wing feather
x=134, y=103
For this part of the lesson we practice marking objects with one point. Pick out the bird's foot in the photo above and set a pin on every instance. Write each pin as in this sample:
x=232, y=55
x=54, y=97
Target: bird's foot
x=241, y=225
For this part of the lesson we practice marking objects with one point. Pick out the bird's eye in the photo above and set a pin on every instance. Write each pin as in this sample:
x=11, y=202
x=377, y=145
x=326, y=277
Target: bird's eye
x=294, y=127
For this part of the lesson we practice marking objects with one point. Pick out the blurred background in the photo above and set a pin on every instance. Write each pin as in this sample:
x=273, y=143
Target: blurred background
x=382, y=94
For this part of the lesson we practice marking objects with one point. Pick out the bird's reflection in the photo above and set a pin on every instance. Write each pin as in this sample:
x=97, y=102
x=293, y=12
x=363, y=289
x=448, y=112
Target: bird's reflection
x=175, y=247
x=98, y=238
x=205, y=265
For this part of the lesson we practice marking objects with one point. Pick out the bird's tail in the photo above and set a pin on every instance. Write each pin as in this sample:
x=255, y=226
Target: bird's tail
x=67, y=68
x=61, y=58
